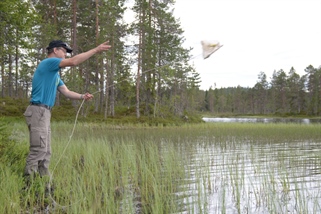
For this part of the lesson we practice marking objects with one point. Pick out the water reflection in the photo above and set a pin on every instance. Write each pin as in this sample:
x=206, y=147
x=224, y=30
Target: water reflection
x=262, y=120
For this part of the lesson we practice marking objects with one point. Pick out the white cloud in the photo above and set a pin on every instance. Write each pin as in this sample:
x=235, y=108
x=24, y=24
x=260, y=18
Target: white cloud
x=258, y=35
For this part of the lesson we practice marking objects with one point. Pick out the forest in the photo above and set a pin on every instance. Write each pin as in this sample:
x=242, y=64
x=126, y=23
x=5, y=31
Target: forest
x=147, y=71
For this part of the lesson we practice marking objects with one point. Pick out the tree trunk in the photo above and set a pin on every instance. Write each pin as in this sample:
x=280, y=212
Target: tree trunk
x=10, y=76
x=106, y=91
x=97, y=58
x=139, y=65
x=2, y=77
x=17, y=67
x=112, y=85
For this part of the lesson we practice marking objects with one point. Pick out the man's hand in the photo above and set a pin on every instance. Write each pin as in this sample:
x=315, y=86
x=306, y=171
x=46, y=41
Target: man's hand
x=77, y=59
x=103, y=47
x=87, y=96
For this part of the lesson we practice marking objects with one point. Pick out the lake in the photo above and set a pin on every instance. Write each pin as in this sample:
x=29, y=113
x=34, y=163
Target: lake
x=281, y=177
x=250, y=175
x=262, y=120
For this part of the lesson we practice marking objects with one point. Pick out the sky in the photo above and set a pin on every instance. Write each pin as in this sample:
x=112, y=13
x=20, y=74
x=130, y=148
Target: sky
x=257, y=36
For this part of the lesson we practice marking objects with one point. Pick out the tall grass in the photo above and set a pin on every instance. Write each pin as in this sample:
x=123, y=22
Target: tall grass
x=201, y=168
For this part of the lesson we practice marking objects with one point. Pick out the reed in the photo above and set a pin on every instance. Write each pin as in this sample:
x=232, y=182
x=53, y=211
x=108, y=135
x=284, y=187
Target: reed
x=199, y=168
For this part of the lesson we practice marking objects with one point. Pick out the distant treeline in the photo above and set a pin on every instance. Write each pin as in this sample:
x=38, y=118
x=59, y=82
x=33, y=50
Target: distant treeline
x=286, y=94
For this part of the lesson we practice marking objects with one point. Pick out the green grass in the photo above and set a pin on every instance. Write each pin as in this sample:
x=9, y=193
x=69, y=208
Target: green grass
x=124, y=168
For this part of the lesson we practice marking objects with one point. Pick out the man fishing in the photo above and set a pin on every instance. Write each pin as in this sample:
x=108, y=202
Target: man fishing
x=45, y=83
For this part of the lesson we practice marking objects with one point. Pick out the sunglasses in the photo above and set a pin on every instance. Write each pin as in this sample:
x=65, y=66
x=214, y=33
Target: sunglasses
x=63, y=49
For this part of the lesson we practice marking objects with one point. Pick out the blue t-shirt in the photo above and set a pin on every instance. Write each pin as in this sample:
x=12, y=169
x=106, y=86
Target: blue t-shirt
x=46, y=81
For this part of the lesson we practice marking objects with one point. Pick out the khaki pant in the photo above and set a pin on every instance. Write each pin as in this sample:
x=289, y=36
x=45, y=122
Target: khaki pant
x=38, y=121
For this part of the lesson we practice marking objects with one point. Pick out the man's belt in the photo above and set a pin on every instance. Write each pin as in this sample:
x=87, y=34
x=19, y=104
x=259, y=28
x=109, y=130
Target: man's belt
x=41, y=105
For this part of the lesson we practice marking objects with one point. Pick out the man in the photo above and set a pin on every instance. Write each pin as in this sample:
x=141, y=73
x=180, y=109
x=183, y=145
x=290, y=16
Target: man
x=46, y=81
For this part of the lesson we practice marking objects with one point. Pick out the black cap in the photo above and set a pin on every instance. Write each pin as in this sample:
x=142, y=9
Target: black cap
x=59, y=43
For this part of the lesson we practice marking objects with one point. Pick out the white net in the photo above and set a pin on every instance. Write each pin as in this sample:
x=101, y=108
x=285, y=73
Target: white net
x=209, y=47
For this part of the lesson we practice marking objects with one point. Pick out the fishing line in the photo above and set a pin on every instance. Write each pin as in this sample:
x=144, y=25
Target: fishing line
x=72, y=133
x=73, y=130
x=62, y=154
x=160, y=66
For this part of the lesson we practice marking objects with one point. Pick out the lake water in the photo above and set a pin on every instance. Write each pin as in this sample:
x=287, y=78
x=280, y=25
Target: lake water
x=261, y=178
x=237, y=176
x=262, y=120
